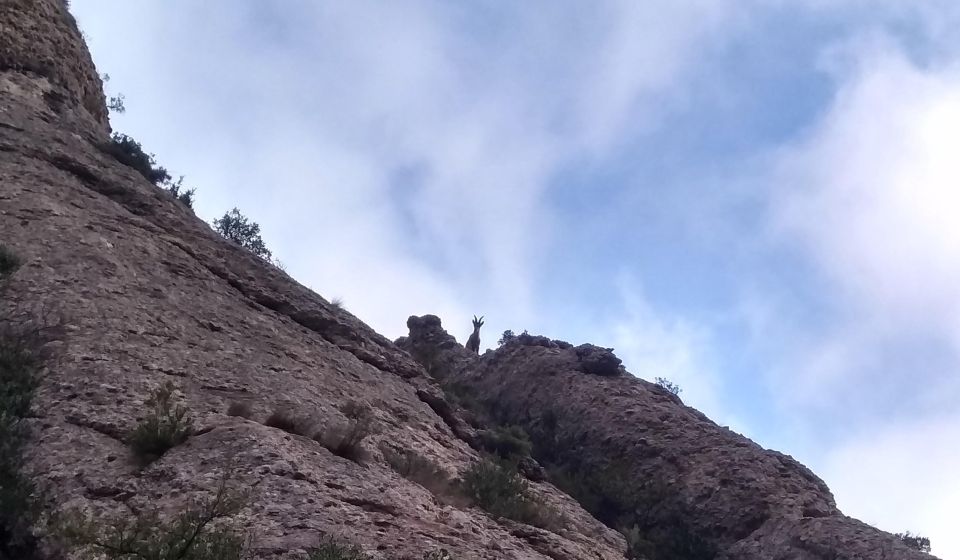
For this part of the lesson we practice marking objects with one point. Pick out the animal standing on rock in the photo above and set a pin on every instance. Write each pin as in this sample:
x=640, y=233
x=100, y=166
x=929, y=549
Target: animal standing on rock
x=473, y=343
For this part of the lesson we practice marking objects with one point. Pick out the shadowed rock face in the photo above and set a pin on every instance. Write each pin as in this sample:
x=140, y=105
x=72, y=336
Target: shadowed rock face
x=149, y=294
x=682, y=475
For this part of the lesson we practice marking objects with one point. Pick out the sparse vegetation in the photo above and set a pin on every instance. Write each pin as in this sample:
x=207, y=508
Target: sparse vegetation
x=345, y=440
x=9, y=262
x=20, y=367
x=286, y=421
x=330, y=549
x=502, y=492
x=164, y=427
x=129, y=152
x=241, y=409
x=424, y=472
x=115, y=104
x=506, y=337
x=510, y=443
x=441, y=554
x=915, y=542
x=670, y=386
x=200, y=532
x=654, y=524
x=175, y=188
x=237, y=228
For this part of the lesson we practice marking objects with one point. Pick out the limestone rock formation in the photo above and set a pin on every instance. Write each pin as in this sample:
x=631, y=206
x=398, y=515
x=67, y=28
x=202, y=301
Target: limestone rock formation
x=689, y=486
x=149, y=293
x=146, y=294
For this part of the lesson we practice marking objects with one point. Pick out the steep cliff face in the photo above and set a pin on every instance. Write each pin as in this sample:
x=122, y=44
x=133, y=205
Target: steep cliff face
x=145, y=294
x=47, y=68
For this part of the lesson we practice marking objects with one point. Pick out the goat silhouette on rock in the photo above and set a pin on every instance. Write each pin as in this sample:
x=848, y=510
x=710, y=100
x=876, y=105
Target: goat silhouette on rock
x=473, y=343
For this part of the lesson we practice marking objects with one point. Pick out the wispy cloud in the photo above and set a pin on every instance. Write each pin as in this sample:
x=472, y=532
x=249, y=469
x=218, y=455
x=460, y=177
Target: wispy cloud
x=414, y=142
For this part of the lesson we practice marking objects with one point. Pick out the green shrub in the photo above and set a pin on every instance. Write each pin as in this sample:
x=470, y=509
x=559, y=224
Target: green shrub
x=129, y=152
x=197, y=533
x=500, y=491
x=165, y=427
x=441, y=554
x=670, y=386
x=9, y=262
x=915, y=542
x=237, y=228
x=19, y=379
x=332, y=550
x=506, y=337
x=507, y=442
x=424, y=472
x=615, y=497
x=176, y=190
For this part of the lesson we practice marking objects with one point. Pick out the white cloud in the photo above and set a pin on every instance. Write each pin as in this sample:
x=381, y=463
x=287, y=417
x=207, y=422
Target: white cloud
x=903, y=479
x=654, y=345
x=872, y=195
x=305, y=114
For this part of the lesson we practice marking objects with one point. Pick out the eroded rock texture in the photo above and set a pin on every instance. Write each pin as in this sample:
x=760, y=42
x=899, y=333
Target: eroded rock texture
x=146, y=293
x=691, y=488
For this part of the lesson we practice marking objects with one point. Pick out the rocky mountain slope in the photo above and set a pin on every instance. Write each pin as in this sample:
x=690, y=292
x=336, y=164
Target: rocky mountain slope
x=142, y=295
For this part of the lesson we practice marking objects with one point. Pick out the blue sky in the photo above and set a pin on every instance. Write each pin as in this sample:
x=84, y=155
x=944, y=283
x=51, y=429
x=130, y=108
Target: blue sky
x=756, y=199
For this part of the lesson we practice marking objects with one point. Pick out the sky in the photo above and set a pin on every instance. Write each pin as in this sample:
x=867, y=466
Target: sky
x=755, y=199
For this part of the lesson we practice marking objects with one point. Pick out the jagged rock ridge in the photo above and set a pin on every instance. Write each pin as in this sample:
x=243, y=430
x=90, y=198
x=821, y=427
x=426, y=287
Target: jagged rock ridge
x=149, y=294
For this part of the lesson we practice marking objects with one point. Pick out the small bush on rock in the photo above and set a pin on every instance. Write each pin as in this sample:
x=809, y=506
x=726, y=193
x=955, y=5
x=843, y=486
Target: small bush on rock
x=9, y=262
x=500, y=491
x=176, y=190
x=197, y=533
x=345, y=440
x=19, y=379
x=915, y=542
x=129, y=152
x=670, y=386
x=237, y=228
x=424, y=472
x=441, y=554
x=506, y=337
x=286, y=421
x=165, y=427
x=507, y=442
x=332, y=550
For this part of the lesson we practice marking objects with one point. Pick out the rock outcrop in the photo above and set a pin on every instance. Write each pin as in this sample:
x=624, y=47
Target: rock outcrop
x=682, y=479
x=146, y=294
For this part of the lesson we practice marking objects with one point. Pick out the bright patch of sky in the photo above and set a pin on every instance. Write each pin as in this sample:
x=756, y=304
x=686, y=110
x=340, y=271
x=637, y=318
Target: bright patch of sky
x=756, y=199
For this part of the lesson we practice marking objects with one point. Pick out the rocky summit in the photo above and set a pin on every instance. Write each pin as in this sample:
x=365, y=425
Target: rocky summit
x=169, y=394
